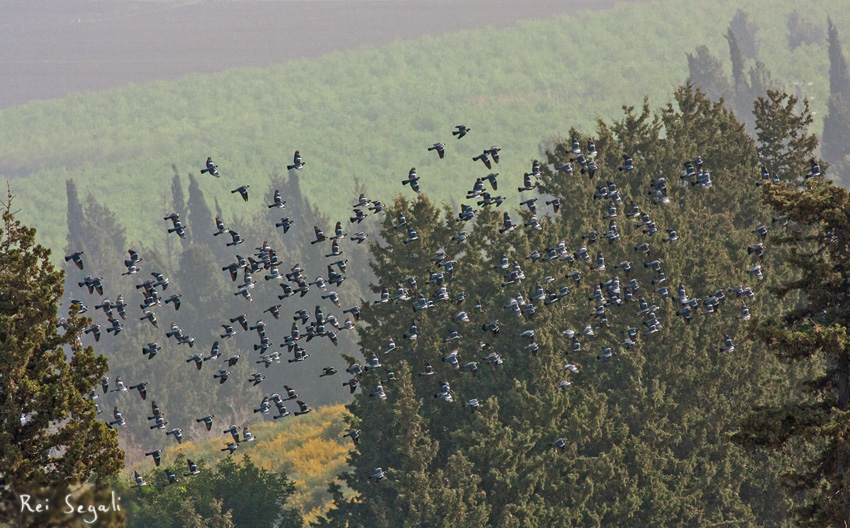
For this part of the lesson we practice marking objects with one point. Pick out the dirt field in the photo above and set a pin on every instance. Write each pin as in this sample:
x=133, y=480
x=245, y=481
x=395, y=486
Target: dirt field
x=54, y=47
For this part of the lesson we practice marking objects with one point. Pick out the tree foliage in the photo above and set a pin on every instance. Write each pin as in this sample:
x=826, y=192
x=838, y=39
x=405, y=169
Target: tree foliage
x=836, y=125
x=50, y=435
x=812, y=422
x=646, y=433
x=236, y=494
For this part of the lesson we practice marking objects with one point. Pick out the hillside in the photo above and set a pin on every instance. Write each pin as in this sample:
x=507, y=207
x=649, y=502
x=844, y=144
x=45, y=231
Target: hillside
x=57, y=47
x=362, y=113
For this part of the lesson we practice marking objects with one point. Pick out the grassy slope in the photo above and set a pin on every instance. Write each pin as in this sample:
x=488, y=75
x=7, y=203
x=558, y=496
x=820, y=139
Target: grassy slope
x=370, y=113
x=310, y=449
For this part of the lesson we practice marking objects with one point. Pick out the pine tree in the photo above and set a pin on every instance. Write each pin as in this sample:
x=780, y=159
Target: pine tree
x=234, y=494
x=50, y=433
x=810, y=421
x=839, y=75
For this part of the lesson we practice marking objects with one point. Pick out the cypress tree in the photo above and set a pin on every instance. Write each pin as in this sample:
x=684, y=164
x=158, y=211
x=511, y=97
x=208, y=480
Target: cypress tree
x=76, y=231
x=179, y=204
x=741, y=87
x=706, y=72
x=745, y=33
x=199, y=214
x=836, y=125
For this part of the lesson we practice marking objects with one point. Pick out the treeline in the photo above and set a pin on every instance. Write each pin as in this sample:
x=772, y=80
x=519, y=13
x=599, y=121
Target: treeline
x=361, y=113
x=194, y=269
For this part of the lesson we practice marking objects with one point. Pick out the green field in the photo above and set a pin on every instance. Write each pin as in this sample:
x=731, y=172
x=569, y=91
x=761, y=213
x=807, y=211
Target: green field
x=369, y=114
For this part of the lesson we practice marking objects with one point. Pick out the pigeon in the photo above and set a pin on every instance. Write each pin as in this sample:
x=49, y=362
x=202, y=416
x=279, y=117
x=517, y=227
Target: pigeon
x=277, y=202
x=156, y=454
x=484, y=159
x=139, y=481
x=193, y=468
x=285, y=223
x=440, y=148
x=242, y=190
x=151, y=349
x=379, y=474
x=175, y=299
x=412, y=180
x=211, y=168
x=177, y=433
x=815, y=169
x=297, y=163
x=303, y=409
x=93, y=329
x=460, y=131
x=207, y=420
x=219, y=225
x=142, y=388
x=76, y=257
x=354, y=434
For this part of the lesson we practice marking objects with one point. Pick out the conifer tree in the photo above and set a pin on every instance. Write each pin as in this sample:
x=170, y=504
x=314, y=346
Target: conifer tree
x=736, y=56
x=706, y=71
x=745, y=33
x=178, y=202
x=49, y=430
x=836, y=125
x=198, y=215
x=75, y=217
x=784, y=143
x=639, y=429
x=811, y=421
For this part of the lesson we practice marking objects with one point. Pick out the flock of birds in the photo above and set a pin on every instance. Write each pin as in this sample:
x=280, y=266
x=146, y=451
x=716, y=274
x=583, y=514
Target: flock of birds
x=320, y=325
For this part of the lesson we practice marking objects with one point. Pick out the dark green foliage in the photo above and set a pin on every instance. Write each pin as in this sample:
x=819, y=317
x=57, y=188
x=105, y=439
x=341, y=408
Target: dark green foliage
x=51, y=437
x=236, y=494
x=811, y=421
x=813, y=337
x=785, y=144
x=646, y=432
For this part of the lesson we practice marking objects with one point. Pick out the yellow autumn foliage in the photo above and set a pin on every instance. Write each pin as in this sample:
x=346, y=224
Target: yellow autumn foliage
x=310, y=449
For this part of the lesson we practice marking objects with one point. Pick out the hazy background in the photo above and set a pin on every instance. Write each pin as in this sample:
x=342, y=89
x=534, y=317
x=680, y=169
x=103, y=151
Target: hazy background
x=52, y=48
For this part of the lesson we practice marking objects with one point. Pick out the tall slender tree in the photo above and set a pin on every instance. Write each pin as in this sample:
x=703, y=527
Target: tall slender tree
x=836, y=124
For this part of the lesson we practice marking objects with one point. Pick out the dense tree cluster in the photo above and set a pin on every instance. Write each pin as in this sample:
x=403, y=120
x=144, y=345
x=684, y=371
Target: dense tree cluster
x=637, y=433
